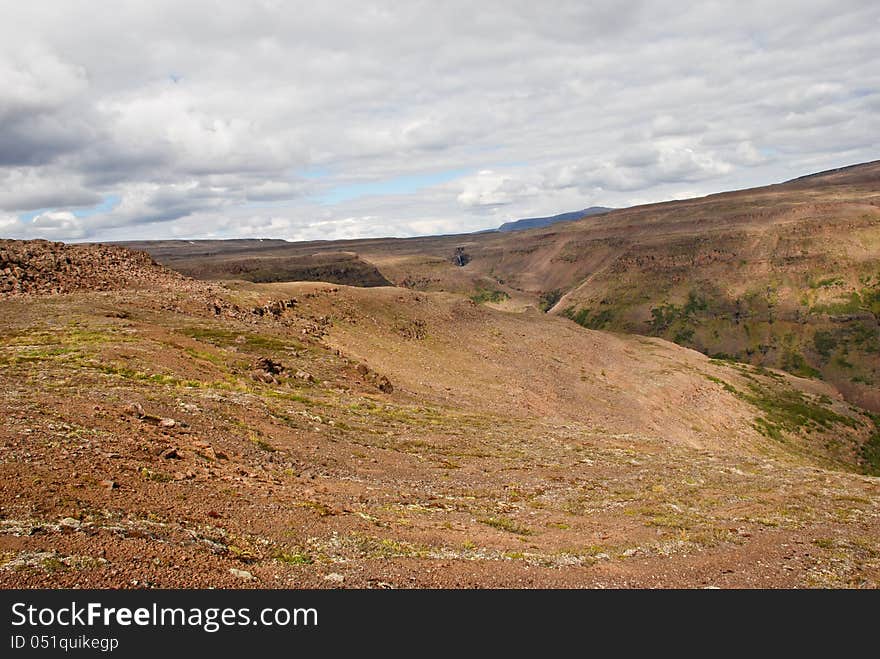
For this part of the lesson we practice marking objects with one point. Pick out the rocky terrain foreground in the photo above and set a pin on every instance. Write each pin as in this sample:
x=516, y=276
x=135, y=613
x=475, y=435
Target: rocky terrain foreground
x=164, y=432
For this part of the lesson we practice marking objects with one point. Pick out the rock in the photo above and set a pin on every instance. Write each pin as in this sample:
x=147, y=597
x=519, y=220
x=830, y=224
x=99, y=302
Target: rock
x=41, y=267
x=263, y=376
x=268, y=365
x=363, y=369
x=70, y=524
x=135, y=409
x=167, y=423
x=241, y=574
x=384, y=385
x=335, y=577
x=303, y=375
x=171, y=454
x=109, y=484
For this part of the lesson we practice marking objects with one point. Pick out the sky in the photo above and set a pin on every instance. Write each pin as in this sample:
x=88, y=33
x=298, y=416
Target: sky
x=302, y=120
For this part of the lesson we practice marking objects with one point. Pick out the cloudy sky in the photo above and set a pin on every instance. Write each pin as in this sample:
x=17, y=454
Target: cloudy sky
x=152, y=119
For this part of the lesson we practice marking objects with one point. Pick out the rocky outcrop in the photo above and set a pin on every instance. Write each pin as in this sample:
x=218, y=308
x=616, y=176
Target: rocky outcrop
x=40, y=267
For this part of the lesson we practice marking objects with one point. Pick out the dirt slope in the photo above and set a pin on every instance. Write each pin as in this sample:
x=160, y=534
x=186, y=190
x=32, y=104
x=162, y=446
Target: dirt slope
x=315, y=435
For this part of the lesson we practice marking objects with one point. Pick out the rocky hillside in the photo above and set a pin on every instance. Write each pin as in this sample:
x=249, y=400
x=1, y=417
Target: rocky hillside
x=41, y=267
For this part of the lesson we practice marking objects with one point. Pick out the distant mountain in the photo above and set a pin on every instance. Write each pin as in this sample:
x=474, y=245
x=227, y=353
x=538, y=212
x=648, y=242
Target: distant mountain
x=535, y=222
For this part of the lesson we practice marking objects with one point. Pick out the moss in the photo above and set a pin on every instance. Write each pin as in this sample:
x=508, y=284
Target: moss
x=504, y=524
x=52, y=564
x=294, y=558
x=157, y=476
x=484, y=295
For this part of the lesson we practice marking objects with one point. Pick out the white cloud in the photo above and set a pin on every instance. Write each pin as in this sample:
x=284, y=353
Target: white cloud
x=212, y=119
x=31, y=188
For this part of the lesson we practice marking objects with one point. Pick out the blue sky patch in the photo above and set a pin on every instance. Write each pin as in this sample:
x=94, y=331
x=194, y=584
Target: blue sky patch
x=392, y=186
x=109, y=203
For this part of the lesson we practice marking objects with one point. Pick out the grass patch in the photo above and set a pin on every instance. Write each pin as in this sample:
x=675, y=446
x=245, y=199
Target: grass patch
x=504, y=524
x=294, y=558
x=727, y=387
x=205, y=356
x=245, y=340
x=590, y=318
x=484, y=295
x=156, y=476
x=787, y=410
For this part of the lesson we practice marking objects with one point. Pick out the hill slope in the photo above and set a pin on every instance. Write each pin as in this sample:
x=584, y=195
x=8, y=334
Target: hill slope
x=785, y=276
x=538, y=222
x=314, y=435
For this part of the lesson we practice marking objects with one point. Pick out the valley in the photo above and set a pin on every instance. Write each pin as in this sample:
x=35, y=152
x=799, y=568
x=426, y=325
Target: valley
x=457, y=429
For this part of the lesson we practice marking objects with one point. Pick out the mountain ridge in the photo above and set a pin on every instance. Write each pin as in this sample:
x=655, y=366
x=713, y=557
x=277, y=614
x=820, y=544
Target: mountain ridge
x=538, y=222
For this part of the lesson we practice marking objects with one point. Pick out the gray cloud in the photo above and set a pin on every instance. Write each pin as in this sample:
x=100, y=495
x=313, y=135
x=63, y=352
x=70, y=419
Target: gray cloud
x=249, y=119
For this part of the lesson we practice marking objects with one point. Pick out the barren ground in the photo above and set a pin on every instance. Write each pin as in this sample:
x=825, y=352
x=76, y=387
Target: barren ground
x=143, y=446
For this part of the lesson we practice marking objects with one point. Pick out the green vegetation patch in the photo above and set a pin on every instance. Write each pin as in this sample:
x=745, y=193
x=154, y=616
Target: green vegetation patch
x=664, y=316
x=590, y=318
x=826, y=282
x=824, y=342
x=294, y=558
x=548, y=299
x=484, y=295
x=245, y=340
x=870, y=452
x=796, y=364
x=865, y=300
x=504, y=524
x=788, y=410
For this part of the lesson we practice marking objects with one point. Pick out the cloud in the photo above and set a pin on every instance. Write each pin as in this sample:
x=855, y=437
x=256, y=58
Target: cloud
x=205, y=119
x=31, y=188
